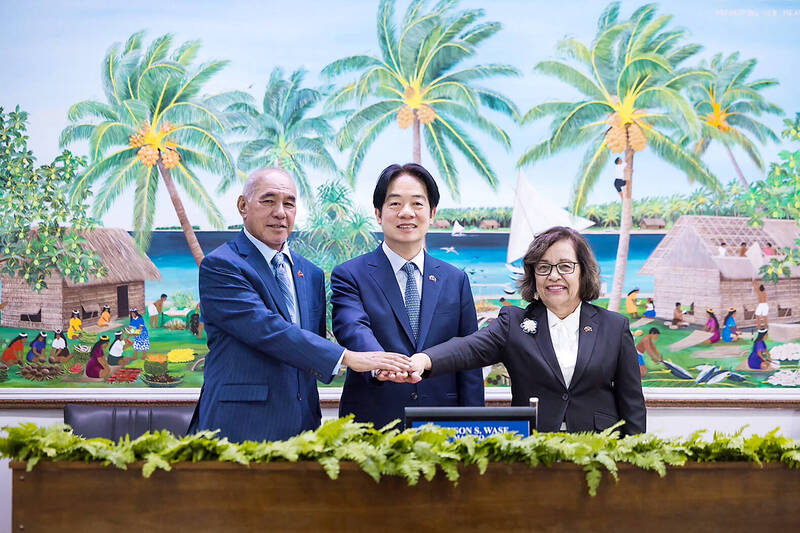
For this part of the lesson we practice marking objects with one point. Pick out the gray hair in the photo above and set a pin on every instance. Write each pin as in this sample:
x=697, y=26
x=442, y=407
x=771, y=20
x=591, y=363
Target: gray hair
x=250, y=184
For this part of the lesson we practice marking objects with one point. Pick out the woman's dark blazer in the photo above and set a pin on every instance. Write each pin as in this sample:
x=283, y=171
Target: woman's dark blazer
x=606, y=385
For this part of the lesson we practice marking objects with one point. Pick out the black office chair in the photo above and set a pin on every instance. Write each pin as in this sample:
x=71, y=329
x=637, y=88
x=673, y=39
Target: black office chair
x=92, y=421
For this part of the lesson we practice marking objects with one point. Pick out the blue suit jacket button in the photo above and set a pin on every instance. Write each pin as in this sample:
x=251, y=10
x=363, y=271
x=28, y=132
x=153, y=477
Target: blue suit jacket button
x=299, y=397
x=565, y=396
x=414, y=396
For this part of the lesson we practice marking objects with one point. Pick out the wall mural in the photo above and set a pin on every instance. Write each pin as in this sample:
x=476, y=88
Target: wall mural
x=675, y=154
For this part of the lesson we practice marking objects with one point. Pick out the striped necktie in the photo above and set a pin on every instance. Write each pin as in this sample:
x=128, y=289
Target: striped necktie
x=412, y=297
x=283, y=275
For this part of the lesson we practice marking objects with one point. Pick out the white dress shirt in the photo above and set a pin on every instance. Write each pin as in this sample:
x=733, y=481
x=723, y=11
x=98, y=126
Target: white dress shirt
x=268, y=254
x=564, y=336
x=397, y=263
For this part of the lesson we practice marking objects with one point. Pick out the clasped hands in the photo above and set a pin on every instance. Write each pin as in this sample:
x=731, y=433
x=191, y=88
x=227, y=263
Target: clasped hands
x=420, y=362
x=389, y=366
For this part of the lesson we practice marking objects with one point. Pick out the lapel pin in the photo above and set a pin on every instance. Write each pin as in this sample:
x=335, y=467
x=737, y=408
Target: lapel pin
x=299, y=273
x=432, y=278
x=587, y=329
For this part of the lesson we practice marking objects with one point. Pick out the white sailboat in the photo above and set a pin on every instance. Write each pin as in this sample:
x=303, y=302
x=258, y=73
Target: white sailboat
x=458, y=229
x=533, y=214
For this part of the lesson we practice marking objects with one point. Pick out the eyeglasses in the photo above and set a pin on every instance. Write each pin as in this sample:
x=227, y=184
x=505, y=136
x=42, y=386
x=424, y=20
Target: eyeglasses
x=563, y=268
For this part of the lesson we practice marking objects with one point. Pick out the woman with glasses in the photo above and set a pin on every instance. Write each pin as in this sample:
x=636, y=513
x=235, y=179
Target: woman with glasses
x=577, y=358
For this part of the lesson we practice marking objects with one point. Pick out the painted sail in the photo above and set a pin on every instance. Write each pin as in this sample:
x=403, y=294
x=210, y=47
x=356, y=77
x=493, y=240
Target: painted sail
x=458, y=229
x=533, y=214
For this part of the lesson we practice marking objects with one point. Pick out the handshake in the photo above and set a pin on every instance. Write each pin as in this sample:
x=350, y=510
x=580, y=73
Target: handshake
x=389, y=366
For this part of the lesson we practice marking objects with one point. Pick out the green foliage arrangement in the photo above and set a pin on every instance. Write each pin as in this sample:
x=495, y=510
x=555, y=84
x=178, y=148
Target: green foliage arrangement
x=42, y=229
x=411, y=454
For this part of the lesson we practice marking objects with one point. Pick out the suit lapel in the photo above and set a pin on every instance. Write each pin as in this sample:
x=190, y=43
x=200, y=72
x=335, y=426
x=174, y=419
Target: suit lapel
x=380, y=269
x=544, y=343
x=431, y=288
x=254, y=258
x=301, y=289
x=587, y=334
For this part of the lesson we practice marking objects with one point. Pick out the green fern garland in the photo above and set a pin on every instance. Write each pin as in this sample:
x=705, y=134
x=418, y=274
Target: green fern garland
x=411, y=454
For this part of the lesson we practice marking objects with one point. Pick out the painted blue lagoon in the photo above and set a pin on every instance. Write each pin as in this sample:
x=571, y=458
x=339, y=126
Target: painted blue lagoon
x=482, y=256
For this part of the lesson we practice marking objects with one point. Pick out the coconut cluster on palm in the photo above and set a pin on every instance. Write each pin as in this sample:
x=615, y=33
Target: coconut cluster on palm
x=420, y=82
x=154, y=128
x=632, y=82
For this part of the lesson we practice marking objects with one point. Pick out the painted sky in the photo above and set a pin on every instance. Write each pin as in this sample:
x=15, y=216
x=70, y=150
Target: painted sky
x=51, y=54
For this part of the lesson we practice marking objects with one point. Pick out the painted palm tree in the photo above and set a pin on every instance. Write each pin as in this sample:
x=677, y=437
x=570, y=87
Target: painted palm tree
x=419, y=81
x=153, y=128
x=280, y=131
x=728, y=105
x=631, y=81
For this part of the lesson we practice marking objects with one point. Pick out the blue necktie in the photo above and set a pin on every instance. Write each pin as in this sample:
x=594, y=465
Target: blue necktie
x=412, y=297
x=283, y=275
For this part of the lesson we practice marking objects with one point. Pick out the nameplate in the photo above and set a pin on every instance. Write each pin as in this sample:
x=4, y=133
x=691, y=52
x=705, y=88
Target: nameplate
x=480, y=422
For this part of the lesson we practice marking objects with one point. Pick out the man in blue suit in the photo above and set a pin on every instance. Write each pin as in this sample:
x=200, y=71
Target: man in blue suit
x=399, y=298
x=264, y=311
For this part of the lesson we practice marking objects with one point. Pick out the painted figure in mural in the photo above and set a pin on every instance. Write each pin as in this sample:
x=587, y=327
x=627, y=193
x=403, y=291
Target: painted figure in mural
x=762, y=309
x=264, y=309
x=677, y=316
x=759, y=358
x=115, y=357
x=730, y=333
x=712, y=326
x=650, y=309
x=647, y=346
x=619, y=175
x=12, y=355
x=399, y=298
x=196, y=324
x=769, y=250
x=105, y=317
x=97, y=366
x=37, y=349
x=155, y=309
x=577, y=358
x=75, y=326
x=59, y=351
x=722, y=250
x=141, y=341
x=631, y=303
x=742, y=252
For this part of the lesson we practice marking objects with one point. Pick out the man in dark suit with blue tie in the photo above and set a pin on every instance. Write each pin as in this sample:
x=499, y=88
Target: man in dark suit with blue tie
x=264, y=311
x=399, y=298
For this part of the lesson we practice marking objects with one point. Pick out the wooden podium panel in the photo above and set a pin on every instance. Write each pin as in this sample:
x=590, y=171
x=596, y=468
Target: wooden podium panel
x=213, y=496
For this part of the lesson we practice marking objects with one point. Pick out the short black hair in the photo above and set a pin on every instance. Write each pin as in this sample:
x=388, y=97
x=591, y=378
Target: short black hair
x=393, y=171
x=163, y=295
x=723, y=243
x=654, y=331
x=677, y=304
x=617, y=161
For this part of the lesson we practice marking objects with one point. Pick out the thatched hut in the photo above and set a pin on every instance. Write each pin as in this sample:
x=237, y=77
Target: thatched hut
x=121, y=288
x=489, y=223
x=688, y=267
x=653, y=223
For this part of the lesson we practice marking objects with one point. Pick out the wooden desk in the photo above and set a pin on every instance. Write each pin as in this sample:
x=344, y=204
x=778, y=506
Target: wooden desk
x=223, y=497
